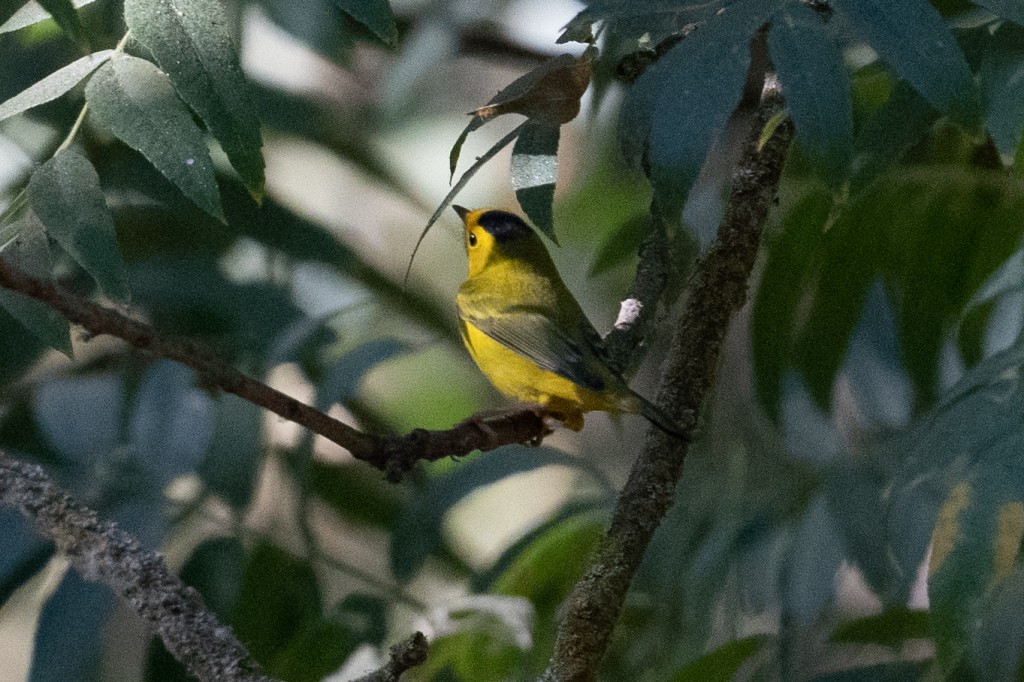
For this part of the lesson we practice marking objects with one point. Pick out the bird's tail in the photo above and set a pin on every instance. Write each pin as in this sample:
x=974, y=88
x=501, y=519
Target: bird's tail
x=660, y=418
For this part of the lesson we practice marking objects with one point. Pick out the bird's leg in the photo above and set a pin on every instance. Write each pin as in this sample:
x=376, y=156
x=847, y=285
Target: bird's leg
x=565, y=412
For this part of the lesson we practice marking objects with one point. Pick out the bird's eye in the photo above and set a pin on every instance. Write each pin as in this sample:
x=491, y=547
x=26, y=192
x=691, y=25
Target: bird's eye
x=472, y=238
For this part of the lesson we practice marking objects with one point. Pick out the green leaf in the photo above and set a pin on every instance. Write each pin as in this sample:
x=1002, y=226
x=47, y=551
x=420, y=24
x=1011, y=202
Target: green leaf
x=592, y=508
x=215, y=568
x=376, y=15
x=621, y=246
x=631, y=22
x=794, y=253
x=891, y=628
x=901, y=122
x=54, y=85
x=342, y=379
x=417, y=534
x=66, y=195
x=171, y=422
x=81, y=417
x=1008, y=9
x=30, y=253
x=23, y=553
x=278, y=596
x=29, y=13
x=1002, y=79
x=68, y=641
x=191, y=42
x=816, y=557
x=133, y=100
x=967, y=450
x=722, y=664
x=8, y=8
x=682, y=102
x=882, y=672
x=534, y=167
x=976, y=543
x=235, y=454
x=317, y=649
x=913, y=38
x=357, y=493
x=816, y=86
x=194, y=297
x=320, y=24
x=997, y=646
x=63, y=12
x=932, y=236
x=547, y=568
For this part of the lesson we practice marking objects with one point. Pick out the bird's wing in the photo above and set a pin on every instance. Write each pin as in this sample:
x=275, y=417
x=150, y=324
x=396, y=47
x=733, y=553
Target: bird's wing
x=531, y=333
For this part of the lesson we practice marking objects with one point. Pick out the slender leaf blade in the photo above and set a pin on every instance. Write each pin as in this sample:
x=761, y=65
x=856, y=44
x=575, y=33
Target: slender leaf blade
x=22, y=552
x=54, y=85
x=722, y=664
x=816, y=86
x=794, y=254
x=534, y=169
x=8, y=9
x=66, y=195
x=172, y=420
x=417, y=532
x=236, y=451
x=277, y=595
x=376, y=15
x=191, y=43
x=63, y=12
x=681, y=103
x=913, y=38
x=28, y=14
x=342, y=379
x=69, y=638
x=1002, y=78
x=133, y=100
x=81, y=417
x=30, y=253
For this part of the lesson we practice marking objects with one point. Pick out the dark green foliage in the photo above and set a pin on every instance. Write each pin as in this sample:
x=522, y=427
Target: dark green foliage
x=882, y=336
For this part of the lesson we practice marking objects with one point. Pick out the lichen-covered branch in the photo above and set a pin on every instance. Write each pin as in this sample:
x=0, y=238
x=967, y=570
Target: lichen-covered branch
x=718, y=290
x=394, y=455
x=101, y=551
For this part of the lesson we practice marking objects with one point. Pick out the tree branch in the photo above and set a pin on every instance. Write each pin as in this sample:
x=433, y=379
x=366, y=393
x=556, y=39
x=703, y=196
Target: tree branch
x=403, y=656
x=719, y=289
x=105, y=553
x=394, y=455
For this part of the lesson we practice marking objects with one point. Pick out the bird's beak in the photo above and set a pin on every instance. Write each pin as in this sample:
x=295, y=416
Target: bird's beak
x=463, y=212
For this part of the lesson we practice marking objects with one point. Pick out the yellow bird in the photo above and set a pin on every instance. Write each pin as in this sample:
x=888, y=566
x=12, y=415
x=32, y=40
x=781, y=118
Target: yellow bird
x=527, y=332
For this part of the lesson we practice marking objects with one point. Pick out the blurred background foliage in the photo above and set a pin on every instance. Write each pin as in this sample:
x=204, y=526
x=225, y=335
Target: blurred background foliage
x=854, y=507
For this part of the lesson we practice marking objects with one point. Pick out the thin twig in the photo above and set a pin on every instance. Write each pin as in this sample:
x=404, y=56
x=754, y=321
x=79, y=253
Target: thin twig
x=719, y=289
x=101, y=551
x=394, y=455
x=403, y=656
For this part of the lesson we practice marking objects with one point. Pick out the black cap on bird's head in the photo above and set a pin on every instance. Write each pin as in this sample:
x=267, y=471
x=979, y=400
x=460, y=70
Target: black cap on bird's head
x=502, y=225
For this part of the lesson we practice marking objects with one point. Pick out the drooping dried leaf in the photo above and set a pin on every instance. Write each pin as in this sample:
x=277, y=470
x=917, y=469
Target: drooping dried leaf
x=549, y=94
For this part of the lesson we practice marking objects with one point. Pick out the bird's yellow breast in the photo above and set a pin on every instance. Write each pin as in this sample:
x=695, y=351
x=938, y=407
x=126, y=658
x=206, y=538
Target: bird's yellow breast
x=522, y=379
